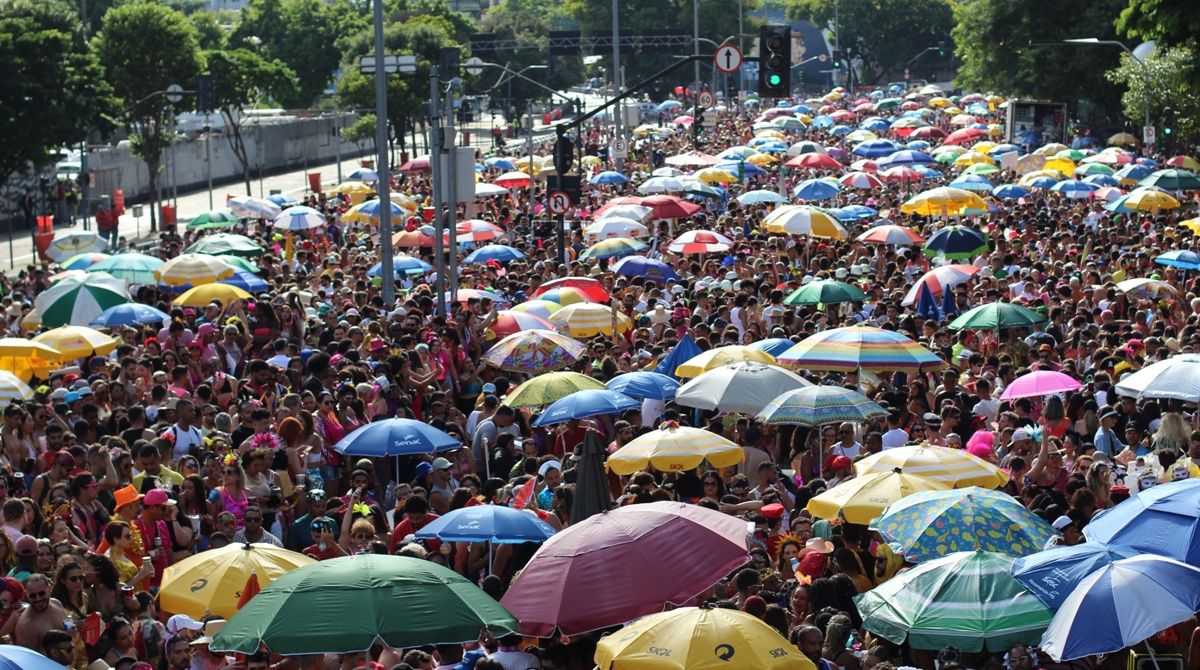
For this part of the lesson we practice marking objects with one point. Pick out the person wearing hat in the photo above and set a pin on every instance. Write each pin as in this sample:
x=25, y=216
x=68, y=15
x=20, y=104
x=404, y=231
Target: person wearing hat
x=299, y=535
x=442, y=485
x=1105, y=439
x=155, y=533
x=203, y=657
x=1068, y=531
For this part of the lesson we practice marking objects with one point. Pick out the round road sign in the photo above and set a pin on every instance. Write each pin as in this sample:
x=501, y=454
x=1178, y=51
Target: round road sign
x=474, y=66
x=727, y=58
x=706, y=100
x=174, y=93
x=558, y=202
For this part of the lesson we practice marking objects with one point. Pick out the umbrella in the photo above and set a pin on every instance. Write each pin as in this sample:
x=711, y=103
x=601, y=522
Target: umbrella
x=700, y=242
x=192, y=269
x=816, y=189
x=825, y=291
x=212, y=581
x=24, y=358
x=957, y=242
x=369, y=209
x=876, y=148
x=661, y=185
x=1040, y=383
x=1123, y=604
x=804, y=220
x=683, y=351
x=1143, y=200
x=699, y=638
x=77, y=341
x=216, y=218
x=588, y=319
x=78, y=300
x=644, y=385
x=297, y=218
x=615, y=247
x=863, y=498
x=362, y=593
x=772, y=345
x=567, y=295
x=1144, y=287
x=967, y=600
x=245, y=281
x=973, y=182
x=928, y=525
x=861, y=347
x=650, y=268
x=670, y=207
x=132, y=267
x=814, y=161
x=510, y=321
x=402, y=264
x=253, y=207
x=891, y=234
x=12, y=389
x=204, y=294
x=1164, y=520
x=719, y=356
x=83, y=261
x=759, y=197
x=1180, y=258
x=1172, y=179
x=546, y=388
x=483, y=190
x=819, y=406
x=500, y=253
x=1051, y=575
x=396, y=437
x=674, y=448
x=1185, y=162
x=608, y=178
x=997, y=315
x=128, y=314
x=591, y=289
x=540, y=308
x=592, y=494
x=487, y=523
x=585, y=403
x=954, y=467
x=611, y=227
x=534, y=351
x=239, y=263
x=744, y=387
x=564, y=587
x=943, y=201
x=68, y=244
x=1176, y=378
x=861, y=180
x=14, y=657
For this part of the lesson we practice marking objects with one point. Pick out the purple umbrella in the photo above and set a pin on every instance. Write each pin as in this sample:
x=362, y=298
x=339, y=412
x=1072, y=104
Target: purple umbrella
x=571, y=583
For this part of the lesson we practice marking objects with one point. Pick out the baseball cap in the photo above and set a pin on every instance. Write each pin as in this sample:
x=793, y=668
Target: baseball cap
x=423, y=469
x=157, y=497
x=182, y=622
x=1021, y=434
x=26, y=545
x=488, y=388
x=440, y=463
x=1062, y=522
x=58, y=394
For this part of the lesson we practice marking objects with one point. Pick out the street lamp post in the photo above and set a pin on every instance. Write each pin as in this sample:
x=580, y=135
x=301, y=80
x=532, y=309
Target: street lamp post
x=388, y=289
x=1139, y=61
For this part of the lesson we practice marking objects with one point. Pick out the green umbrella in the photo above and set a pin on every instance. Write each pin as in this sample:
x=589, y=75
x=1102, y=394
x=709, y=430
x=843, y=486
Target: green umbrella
x=1172, y=180
x=76, y=300
x=406, y=602
x=996, y=315
x=591, y=485
x=222, y=244
x=240, y=263
x=1088, y=169
x=967, y=600
x=137, y=269
x=216, y=218
x=981, y=169
x=825, y=291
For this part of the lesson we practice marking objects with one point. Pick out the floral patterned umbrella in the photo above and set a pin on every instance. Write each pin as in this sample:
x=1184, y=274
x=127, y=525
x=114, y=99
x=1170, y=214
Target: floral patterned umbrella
x=534, y=351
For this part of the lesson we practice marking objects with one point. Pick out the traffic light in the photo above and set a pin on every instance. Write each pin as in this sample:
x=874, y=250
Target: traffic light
x=836, y=61
x=204, y=94
x=1167, y=113
x=775, y=61
x=941, y=49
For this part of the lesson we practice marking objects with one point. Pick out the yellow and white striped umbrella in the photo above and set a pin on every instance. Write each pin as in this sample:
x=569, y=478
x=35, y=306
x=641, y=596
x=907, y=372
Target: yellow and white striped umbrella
x=12, y=389
x=583, y=319
x=715, y=358
x=77, y=341
x=675, y=448
x=955, y=467
x=192, y=269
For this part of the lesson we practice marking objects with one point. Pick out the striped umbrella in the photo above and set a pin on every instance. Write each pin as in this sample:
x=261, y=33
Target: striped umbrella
x=204, y=294
x=861, y=347
x=939, y=279
x=259, y=208
x=591, y=289
x=861, y=180
x=78, y=300
x=819, y=406
x=616, y=247
x=720, y=356
x=83, y=261
x=465, y=294
x=928, y=525
x=957, y=241
x=216, y=218
x=968, y=600
x=546, y=388
x=674, y=448
x=567, y=295
x=700, y=242
x=804, y=220
x=531, y=351
x=137, y=269
x=612, y=227
x=744, y=387
x=13, y=389
x=129, y=314
x=500, y=253
x=509, y=321
x=890, y=233
x=584, y=319
x=68, y=244
x=539, y=307
x=77, y=341
x=239, y=263
x=192, y=269
x=300, y=217
x=955, y=467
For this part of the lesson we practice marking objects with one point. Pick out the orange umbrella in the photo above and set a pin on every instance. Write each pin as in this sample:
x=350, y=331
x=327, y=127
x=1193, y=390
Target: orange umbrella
x=250, y=590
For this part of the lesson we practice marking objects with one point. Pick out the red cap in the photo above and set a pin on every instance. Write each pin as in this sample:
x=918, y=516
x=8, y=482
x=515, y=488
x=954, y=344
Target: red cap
x=772, y=511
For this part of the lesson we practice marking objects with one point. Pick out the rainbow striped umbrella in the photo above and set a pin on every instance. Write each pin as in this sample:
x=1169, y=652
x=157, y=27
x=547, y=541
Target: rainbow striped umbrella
x=540, y=308
x=819, y=406
x=534, y=351
x=616, y=247
x=861, y=348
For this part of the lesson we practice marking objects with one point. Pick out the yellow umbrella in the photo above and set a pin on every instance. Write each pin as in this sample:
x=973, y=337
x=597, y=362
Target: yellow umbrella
x=590, y=161
x=944, y=201
x=695, y=638
x=974, y=157
x=351, y=187
x=994, y=99
x=405, y=201
x=192, y=269
x=202, y=295
x=804, y=220
x=1061, y=164
x=863, y=498
x=675, y=448
x=952, y=110
x=860, y=135
x=26, y=358
x=762, y=159
x=715, y=358
x=714, y=176
x=77, y=341
x=1030, y=177
x=12, y=389
x=1029, y=163
x=1185, y=163
x=545, y=389
x=31, y=321
x=1149, y=200
x=584, y=319
x=938, y=102
x=1192, y=225
x=211, y=582
x=950, y=466
x=539, y=307
x=995, y=129
x=984, y=146
x=773, y=134
x=1051, y=149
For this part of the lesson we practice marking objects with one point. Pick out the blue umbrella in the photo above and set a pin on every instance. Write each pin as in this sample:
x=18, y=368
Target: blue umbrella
x=949, y=304
x=609, y=178
x=918, y=145
x=682, y=351
x=1163, y=520
x=926, y=171
x=956, y=242
x=396, y=437
x=487, y=523
x=859, y=211
x=1042, y=182
x=1133, y=172
x=582, y=404
x=13, y=657
x=650, y=268
x=667, y=104
x=247, y=281
x=1102, y=180
x=1122, y=604
x=823, y=122
x=773, y=148
x=748, y=169
x=874, y=148
x=734, y=153
x=904, y=157
x=817, y=189
x=500, y=163
x=874, y=124
x=927, y=307
x=1010, y=191
x=1180, y=258
x=282, y=199
x=972, y=182
x=1051, y=575
x=498, y=252
x=759, y=197
x=773, y=345
x=803, y=109
x=644, y=384
x=1073, y=188
x=128, y=314
x=401, y=264
x=840, y=130
x=1001, y=149
x=363, y=174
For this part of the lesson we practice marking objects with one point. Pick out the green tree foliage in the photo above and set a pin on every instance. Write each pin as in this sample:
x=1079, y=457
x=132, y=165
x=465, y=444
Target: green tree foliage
x=210, y=34
x=301, y=33
x=145, y=47
x=54, y=90
x=528, y=22
x=1164, y=81
x=360, y=133
x=884, y=34
x=1171, y=21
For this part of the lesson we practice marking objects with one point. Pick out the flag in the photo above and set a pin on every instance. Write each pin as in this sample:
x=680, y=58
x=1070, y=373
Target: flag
x=679, y=354
x=289, y=249
x=949, y=305
x=524, y=495
x=927, y=307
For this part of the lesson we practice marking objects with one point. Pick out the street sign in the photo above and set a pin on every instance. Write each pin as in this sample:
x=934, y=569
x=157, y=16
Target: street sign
x=727, y=58
x=391, y=64
x=619, y=149
x=706, y=99
x=558, y=202
x=708, y=119
x=1148, y=135
x=174, y=93
x=474, y=66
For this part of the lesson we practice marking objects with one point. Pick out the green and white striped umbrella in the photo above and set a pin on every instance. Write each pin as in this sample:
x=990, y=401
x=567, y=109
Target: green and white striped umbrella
x=216, y=218
x=137, y=269
x=221, y=244
x=12, y=389
x=75, y=301
x=968, y=600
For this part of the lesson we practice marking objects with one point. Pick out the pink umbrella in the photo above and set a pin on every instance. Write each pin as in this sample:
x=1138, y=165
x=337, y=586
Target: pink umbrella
x=1040, y=383
x=570, y=583
x=939, y=279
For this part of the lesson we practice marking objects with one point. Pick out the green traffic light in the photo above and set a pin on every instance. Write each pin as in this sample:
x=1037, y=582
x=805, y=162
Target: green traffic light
x=1166, y=131
x=774, y=79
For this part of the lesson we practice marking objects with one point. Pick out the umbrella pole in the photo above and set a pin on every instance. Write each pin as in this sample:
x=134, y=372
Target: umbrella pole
x=1153, y=658
x=490, y=558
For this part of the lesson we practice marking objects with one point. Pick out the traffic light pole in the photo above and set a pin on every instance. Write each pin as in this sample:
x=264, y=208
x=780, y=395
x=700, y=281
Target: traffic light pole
x=388, y=289
x=435, y=152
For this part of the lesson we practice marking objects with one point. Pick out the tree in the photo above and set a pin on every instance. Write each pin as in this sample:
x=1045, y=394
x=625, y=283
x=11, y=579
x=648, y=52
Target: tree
x=361, y=132
x=527, y=22
x=146, y=47
x=1163, y=80
x=1170, y=21
x=301, y=33
x=240, y=77
x=209, y=32
x=883, y=34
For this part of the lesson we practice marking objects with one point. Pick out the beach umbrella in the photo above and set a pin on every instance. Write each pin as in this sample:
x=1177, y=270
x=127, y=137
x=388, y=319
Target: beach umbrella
x=402, y=264
x=1122, y=604
x=487, y=523
x=972, y=182
x=650, y=268
x=548, y=387
x=1040, y=383
x=1010, y=192
x=540, y=308
x=589, y=319
x=1185, y=162
x=997, y=315
x=134, y=268
x=396, y=437
x=861, y=499
x=369, y=210
x=814, y=161
x=215, y=218
x=12, y=389
x=566, y=295
x=674, y=448
x=199, y=296
x=759, y=197
x=500, y=253
x=583, y=404
x=670, y=207
x=1180, y=258
x=643, y=385
x=68, y=244
x=716, y=357
x=608, y=178
x=77, y=341
x=939, y=279
x=1073, y=188
x=211, y=581
x=804, y=220
x=1164, y=520
x=819, y=406
x=15, y=657
x=661, y=185
x=876, y=148
x=615, y=247
x=1172, y=179
x=953, y=467
x=78, y=300
x=928, y=525
x=533, y=351
x=693, y=159
x=463, y=295
x=485, y=190
x=239, y=263
x=1051, y=575
x=1143, y=200
x=967, y=600
x=128, y=314
x=1176, y=378
x=26, y=358
x=221, y=244
x=905, y=157
x=861, y=348
x=1145, y=287
x=561, y=588
x=298, y=218
x=362, y=592
x=83, y=261
x=816, y=189
x=891, y=234
x=943, y=201
x=772, y=345
x=700, y=242
x=511, y=321
x=744, y=387
x=860, y=180
x=825, y=292
x=956, y=242
x=591, y=289
x=192, y=269
x=608, y=228
x=699, y=638
x=715, y=175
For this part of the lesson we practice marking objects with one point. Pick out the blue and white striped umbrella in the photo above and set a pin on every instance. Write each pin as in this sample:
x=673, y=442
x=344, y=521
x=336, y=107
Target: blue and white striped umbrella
x=402, y=264
x=1102, y=180
x=1051, y=575
x=1010, y=191
x=904, y=157
x=500, y=163
x=817, y=189
x=500, y=253
x=1074, y=188
x=819, y=406
x=875, y=148
x=363, y=174
x=300, y=217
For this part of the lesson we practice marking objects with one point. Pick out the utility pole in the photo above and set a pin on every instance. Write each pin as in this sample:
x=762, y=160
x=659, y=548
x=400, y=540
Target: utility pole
x=381, y=165
x=451, y=228
x=619, y=117
x=208, y=156
x=435, y=166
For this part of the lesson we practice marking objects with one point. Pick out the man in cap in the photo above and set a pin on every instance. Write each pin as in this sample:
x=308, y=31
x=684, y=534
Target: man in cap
x=1106, y=439
x=442, y=485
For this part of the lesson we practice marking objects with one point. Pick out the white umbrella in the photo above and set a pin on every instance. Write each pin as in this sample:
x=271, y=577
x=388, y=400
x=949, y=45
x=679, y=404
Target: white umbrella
x=299, y=218
x=667, y=171
x=77, y=300
x=741, y=387
x=607, y=227
x=246, y=206
x=635, y=212
x=1177, y=378
x=66, y=245
x=483, y=190
x=661, y=185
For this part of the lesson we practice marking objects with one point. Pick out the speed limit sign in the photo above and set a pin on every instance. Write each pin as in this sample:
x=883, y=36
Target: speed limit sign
x=558, y=202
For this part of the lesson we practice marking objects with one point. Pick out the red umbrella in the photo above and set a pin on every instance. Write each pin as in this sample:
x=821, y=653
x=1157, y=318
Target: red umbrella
x=842, y=115
x=865, y=165
x=591, y=288
x=670, y=207
x=901, y=174
x=963, y=136
x=568, y=584
x=250, y=590
x=512, y=179
x=814, y=161
x=928, y=133
x=700, y=242
x=418, y=164
x=509, y=321
x=412, y=238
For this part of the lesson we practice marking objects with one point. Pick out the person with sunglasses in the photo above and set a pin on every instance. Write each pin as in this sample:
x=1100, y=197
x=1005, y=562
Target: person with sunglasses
x=43, y=614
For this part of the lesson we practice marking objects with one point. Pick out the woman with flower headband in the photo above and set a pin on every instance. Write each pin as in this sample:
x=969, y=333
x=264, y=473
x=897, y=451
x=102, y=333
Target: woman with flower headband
x=231, y=496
